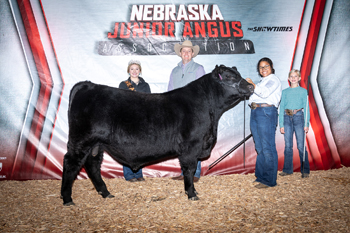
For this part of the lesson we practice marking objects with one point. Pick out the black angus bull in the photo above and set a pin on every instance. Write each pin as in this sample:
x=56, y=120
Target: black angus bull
x=138, y=128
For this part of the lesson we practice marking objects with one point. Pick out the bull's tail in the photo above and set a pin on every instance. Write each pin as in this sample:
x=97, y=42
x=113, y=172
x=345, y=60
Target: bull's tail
x=72, y=93
x=74, y=90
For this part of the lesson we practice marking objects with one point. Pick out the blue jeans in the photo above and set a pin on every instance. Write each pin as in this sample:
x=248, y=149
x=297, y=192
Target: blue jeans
x=295, y=124
x=263, y=122
x=129, y=174
x=198, y=170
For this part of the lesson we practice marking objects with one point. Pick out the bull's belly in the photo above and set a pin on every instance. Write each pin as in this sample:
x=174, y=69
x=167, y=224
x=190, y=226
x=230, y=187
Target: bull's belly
x=134, y=156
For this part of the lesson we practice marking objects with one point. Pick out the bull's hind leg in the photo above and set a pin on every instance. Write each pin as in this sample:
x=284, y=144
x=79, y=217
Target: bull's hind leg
x=71, y=168
x=93, y=168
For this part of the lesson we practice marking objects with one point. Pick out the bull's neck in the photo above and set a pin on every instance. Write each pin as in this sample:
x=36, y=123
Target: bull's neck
x=215, y=95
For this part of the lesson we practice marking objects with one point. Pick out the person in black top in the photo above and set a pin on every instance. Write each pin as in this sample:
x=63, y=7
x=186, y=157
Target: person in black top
x=134, y=83
x=138, y=83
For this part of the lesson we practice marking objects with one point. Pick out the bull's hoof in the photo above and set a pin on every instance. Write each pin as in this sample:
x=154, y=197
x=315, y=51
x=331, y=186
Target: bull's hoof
x=105, y=195
x=109, y=196
x=194, y=192
x=69, y=203
x=193, y=198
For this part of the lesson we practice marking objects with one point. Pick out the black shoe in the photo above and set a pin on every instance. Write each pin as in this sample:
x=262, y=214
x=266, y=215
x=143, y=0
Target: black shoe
x=133, y=180
x=305, y=175
x=141, y=179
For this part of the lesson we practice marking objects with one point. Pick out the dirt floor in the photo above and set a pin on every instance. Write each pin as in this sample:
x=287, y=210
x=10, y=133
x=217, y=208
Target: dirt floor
x=231, y=203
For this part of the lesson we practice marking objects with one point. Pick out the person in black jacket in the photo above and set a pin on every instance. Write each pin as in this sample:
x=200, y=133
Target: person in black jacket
x=134, y=83
x=137, y=83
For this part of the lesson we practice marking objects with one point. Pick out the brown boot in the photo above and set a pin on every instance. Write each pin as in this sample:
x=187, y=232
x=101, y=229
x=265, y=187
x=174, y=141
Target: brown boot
x=178, y=178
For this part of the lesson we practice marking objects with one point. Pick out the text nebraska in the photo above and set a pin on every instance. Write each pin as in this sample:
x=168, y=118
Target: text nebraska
x=192, y=12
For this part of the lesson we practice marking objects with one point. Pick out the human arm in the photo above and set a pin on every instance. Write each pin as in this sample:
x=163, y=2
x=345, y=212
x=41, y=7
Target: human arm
x=200, y=72
x=281, y=111
x=147, y=89
x=306, y=109
x=170, y=84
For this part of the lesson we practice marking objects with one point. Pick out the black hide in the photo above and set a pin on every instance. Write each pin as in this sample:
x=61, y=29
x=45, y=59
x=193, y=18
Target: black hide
x=140, y=128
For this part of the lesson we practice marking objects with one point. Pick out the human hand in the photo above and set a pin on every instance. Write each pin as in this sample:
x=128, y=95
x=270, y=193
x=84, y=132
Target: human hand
x=250, y=81
x=306, y=129
x=282, y=130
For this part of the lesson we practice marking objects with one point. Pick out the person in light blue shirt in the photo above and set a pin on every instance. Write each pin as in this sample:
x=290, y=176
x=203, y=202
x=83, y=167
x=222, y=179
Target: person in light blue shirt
x=263, y=122
x=185, y=72
x=292, y=115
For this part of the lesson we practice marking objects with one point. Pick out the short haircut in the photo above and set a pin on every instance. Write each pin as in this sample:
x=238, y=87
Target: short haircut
x=294, y=71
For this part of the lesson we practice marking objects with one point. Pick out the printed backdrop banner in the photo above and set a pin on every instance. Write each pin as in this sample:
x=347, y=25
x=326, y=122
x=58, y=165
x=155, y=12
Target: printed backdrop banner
x=48, y=46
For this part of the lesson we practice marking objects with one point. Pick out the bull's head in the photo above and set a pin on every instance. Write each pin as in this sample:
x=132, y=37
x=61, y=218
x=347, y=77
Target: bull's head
x=232, y=78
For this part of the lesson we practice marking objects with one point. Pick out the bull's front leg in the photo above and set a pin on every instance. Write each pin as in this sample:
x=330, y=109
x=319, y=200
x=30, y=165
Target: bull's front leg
x=189, y=170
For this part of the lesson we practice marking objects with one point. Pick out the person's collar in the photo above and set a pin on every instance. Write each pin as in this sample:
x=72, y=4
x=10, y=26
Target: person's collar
x=140, y=80
x=268, y=76
x=184, y=65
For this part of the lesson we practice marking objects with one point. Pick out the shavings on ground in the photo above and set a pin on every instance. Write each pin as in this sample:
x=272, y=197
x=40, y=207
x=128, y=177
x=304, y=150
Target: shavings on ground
x=320, y=203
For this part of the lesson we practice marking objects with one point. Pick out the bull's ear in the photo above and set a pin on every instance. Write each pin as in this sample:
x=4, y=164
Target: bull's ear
x=234, y=67
x=215, y=72
x=222, y=68
x=218, y=70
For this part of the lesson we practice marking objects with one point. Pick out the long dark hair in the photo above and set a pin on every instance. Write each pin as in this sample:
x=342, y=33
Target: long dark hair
x=268, y=60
